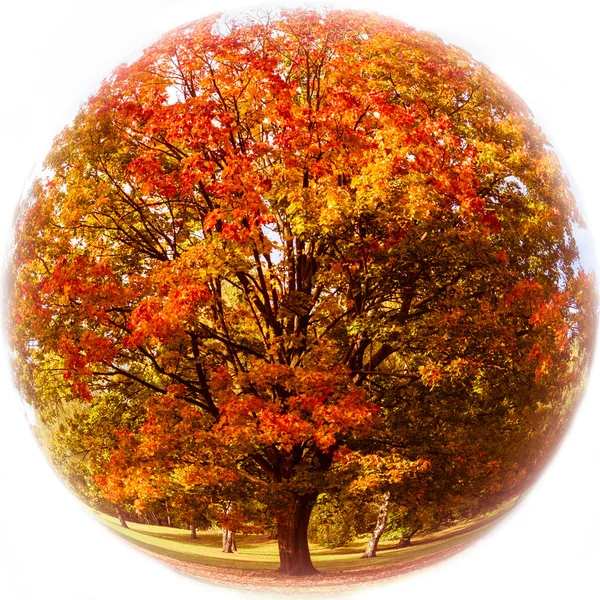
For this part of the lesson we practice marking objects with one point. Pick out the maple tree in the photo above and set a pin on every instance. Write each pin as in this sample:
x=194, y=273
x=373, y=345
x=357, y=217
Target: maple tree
x=294, y=247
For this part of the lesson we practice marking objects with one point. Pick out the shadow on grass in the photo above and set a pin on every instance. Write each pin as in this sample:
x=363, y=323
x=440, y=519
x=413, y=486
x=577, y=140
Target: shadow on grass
x=227, y=561
x=354, y=547
x=204, y=538
x=260, y=554
x=479, y=527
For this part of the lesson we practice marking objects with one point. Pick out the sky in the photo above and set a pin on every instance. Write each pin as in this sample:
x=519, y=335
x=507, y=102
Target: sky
x=53, y=55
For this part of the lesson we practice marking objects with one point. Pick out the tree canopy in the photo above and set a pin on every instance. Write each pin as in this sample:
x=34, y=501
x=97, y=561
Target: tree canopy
x=290, y=252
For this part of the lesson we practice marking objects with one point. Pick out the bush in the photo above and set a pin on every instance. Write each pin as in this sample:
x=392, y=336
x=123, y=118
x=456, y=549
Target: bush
x=332, y=522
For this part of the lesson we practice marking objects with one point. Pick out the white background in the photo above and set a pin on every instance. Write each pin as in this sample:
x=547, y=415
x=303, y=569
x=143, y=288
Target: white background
x=54, y=53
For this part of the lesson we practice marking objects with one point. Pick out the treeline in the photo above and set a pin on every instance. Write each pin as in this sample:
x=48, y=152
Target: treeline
x=335, y=522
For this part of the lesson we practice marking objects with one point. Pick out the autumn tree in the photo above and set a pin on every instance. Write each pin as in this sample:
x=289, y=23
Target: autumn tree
x=304, y=233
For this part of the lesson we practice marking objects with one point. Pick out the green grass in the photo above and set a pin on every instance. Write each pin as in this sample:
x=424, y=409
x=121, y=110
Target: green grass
x=258, y=553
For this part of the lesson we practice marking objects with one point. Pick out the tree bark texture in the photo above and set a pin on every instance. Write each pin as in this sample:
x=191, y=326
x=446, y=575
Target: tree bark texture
x=292, y=536
x=193, y=534
x=229, y=545
x=122, y=518
x=371, y=551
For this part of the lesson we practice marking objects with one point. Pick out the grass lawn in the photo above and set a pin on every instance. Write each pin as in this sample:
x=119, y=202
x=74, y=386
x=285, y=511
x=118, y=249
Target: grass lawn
x=257, y=557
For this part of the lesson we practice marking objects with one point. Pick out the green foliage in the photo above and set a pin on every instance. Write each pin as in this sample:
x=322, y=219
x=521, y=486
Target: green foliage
x=336, y=521
x=332, y=524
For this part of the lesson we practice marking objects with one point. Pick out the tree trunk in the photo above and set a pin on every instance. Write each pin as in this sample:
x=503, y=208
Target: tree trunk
x=405, y=540
x=229, y=544
x=371, y=551
x=121, y=518
x=193, y=535
x=292, y=536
